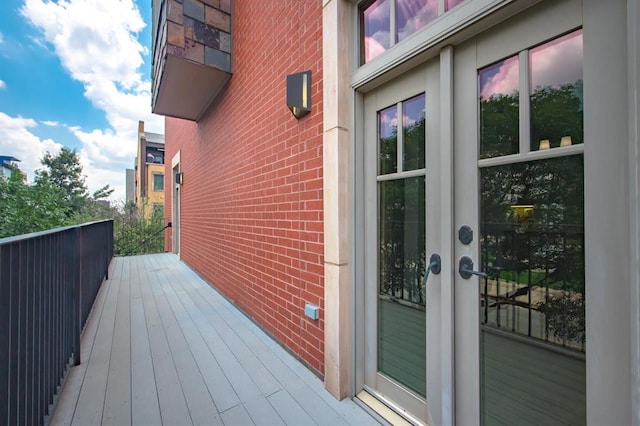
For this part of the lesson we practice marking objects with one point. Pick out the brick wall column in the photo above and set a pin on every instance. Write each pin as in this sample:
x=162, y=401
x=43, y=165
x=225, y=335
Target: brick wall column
x=336, y=136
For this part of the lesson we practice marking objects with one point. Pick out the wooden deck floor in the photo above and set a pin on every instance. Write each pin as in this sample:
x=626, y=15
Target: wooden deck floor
x=162, y=347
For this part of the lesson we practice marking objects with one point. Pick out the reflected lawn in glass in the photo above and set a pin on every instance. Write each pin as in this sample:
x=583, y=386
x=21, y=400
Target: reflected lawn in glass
x=532, y=247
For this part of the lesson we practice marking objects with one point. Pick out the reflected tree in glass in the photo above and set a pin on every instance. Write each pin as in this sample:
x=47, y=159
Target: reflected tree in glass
x=402, y=238
x=556, y=97
x=499, y=109
x=532, y=224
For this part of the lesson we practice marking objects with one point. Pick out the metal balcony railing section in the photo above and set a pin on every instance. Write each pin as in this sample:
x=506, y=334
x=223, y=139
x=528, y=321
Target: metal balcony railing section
x=48, y=283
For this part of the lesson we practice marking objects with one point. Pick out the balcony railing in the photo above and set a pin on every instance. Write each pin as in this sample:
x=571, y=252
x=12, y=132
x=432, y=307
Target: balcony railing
x=48, y=283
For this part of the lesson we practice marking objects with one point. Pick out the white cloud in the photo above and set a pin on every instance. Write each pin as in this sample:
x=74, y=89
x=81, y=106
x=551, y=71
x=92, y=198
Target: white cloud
x=17, y=140
x=50, y=123
x=558, y=62
x=1, y=38
x=504, y=81
x=3, y=85
x=97, y=44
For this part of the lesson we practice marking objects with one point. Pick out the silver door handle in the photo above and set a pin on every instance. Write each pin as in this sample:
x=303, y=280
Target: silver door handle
x=435, y=265
x=466, y=268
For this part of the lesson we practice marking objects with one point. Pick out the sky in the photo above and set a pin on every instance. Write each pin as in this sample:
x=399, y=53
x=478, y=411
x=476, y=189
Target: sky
x=76, y=73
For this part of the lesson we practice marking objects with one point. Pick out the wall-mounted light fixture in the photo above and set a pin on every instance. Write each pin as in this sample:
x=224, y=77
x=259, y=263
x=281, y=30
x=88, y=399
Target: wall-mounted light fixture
x=299, y=93
x=179, y=178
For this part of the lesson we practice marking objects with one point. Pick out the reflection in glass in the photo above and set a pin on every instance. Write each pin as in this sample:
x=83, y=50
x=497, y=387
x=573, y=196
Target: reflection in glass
x=388, y=140
x=401, y=317
x=411, y=15
x=556, y=92
x=499, y=130
x=376, y=27
x=532, y=224
x=532, y=248
x=414, y=132
x=452, y=3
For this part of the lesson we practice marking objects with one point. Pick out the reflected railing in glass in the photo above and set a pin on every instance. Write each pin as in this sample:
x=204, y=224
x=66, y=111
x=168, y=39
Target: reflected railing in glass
x=532, y=249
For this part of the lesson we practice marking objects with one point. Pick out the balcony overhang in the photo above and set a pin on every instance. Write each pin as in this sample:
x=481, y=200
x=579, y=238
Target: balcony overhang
x=186, y=89
x=192, y=56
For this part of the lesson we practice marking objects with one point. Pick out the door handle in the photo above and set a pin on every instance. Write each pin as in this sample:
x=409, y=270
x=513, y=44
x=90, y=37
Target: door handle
x=466, y=268
x=435, y=265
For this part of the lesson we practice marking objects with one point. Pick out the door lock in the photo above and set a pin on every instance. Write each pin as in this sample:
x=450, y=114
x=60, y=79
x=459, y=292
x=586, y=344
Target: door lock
x=466, y=268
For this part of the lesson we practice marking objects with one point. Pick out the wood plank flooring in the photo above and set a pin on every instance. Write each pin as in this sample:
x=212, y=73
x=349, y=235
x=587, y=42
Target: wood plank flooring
x=162, y=347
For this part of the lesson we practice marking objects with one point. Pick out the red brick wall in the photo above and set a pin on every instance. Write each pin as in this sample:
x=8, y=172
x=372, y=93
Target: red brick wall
x=252, y=196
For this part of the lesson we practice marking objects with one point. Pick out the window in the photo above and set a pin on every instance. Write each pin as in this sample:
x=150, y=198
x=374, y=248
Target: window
x=402, y=242
x=383, y=23
x=532, y=202
x=158, y=182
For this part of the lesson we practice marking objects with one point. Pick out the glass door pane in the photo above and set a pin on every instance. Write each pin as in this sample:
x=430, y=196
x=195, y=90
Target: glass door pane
x=401, y=314
x=401, y=244
x=532, y=303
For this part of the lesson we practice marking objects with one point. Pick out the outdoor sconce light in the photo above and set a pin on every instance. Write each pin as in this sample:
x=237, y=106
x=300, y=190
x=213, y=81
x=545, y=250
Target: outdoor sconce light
x=179, y=178
x=299, y=93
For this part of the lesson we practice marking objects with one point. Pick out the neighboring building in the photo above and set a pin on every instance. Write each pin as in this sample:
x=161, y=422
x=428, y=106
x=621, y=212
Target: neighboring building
x=465, y=138
x=130, y=184
x=149, y=171
x=8, y=165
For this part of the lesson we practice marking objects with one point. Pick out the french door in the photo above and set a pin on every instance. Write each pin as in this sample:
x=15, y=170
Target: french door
x=401, y=122
x=519, y=161
x=477, y=157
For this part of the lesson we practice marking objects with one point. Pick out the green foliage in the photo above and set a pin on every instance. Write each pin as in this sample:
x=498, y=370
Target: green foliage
x=499, y=125
x=545, y=246
x=133, y=234
x=59, y=197
x=565, y=317
x=29, y=208
x=402, y=217
x=557, y=112
x=64, y=171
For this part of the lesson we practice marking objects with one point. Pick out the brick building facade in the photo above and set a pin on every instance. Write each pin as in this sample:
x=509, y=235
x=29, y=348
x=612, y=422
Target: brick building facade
x=251, y=216
x=461, y=201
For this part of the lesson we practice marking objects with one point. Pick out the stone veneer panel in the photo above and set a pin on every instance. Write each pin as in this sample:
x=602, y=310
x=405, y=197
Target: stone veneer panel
x=218, y=19
x=200, y=31
x=194, y=9
x=175, y=34
x=216, y=58
x=175, y=13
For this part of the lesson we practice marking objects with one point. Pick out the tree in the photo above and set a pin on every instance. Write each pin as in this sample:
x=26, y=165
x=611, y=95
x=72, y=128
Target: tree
x=28, y=208
x=63, y=172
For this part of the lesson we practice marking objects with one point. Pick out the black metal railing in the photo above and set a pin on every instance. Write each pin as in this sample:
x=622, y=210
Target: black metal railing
x=48, y=283
x=140, y=243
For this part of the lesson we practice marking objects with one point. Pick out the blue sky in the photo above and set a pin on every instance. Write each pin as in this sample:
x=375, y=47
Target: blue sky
x=76, y=73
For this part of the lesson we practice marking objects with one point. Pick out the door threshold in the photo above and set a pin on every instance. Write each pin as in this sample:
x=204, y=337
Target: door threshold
x=387, y=410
